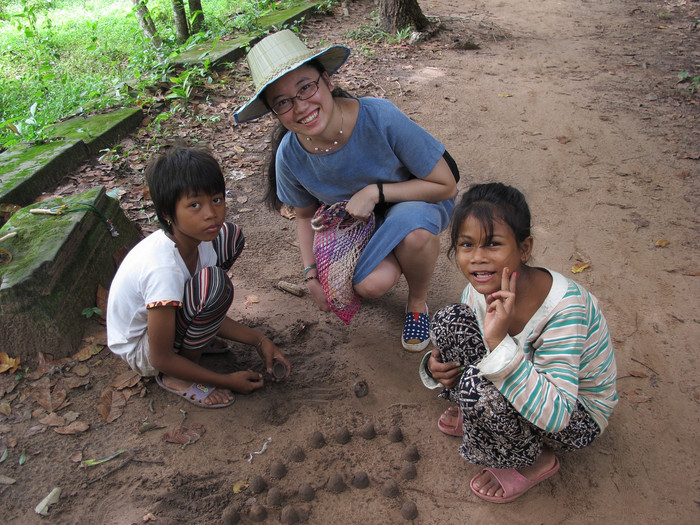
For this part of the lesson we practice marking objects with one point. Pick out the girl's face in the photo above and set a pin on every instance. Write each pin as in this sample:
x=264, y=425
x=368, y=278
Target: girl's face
x=482, y=262
x=198, y=217
x=308, y=117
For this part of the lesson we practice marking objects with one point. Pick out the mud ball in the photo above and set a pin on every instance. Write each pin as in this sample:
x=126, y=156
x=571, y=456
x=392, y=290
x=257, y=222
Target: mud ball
x=395, y=434
x=274, y=497
x=317, y=440
x=409, y=511
x=278, y=470
x=336, y=484
x=297, y=454
x=230, y=516
x=342, y=435
x=408, y=471
x=411, y=454
x=306, y=492
x=290, y=516
x=360, y=388
x=257, y=512
x=390, y=489
x=368, y=431
x=257, y=484
x=360, y=480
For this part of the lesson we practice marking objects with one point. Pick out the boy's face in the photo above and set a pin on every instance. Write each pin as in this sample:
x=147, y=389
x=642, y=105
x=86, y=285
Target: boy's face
x=199, y=216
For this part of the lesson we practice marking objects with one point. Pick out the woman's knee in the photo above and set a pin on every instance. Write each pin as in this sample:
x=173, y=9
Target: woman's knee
x=419, y=240
x=379, y=281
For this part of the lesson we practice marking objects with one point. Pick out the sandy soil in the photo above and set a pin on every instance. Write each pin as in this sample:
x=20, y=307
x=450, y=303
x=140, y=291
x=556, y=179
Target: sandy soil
x=574, y=102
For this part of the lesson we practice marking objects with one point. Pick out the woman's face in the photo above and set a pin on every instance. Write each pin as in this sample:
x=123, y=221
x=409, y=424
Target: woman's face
x=308, y=117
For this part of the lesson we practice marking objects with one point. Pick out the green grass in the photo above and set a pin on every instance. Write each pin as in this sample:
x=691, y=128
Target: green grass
x=64, y=57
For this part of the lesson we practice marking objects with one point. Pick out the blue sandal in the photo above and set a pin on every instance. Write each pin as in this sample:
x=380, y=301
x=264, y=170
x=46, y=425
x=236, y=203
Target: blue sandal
x=416, y=331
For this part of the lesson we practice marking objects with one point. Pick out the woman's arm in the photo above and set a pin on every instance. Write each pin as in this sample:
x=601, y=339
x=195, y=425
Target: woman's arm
x=438, y=185
x=305, y=235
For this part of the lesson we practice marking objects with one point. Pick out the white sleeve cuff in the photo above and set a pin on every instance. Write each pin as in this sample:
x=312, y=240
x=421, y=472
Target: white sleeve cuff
x=428, y=381
x=499, y=358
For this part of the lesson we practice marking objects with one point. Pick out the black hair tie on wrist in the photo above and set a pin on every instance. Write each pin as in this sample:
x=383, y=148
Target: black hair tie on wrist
x=381, y=193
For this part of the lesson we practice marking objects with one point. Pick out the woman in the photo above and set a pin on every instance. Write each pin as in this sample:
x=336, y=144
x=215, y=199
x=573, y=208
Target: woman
x=364, y=151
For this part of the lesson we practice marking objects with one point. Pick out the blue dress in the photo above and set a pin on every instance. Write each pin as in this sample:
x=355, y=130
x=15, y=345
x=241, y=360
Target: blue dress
x=385, y=146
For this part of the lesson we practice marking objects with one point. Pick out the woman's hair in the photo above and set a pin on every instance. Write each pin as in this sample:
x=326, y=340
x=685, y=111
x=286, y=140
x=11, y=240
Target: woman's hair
x=276, y=137
x=489, y=203
x=178, y=172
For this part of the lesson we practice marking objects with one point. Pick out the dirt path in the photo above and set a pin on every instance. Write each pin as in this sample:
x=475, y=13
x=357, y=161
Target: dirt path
x=574, y=102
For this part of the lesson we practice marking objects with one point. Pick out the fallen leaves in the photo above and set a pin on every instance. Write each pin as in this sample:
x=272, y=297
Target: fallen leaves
x=111, y=405
x=8, y=363
x=76, y=427
x=250, y=300
x=662, y=243
x=563, y=140
x=182, y=435
x=580, y=266
x=50, y=399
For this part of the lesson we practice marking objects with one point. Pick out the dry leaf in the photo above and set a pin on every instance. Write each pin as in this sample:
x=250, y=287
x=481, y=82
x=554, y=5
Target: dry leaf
x=579, y=267
x=661, y=243
x=181, y=434
x=242, y=199
x=8, y=363
x=50, y=400
x=111, y=405
x=287, y=212
x=7, y=384
x=75, y=382
x=251, y=299
x=126, y=380
x=87, y=350
x=240, y=486
x=76, y=427
x=76, y=457
x=52, y=419
x=81, y=370
x=637, y=373
x=5, y=408
x=101, y=303
x=504, y=95
x=563, y=140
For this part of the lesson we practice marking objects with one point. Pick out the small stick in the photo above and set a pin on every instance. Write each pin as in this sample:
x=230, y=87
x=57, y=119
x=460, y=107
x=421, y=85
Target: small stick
x=110, y=471
x=650, y=368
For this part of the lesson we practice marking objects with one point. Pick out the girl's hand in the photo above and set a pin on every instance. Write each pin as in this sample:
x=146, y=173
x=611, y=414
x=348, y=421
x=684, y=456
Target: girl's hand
x=447, y=374
x=270, y=353
x=363, y=202
x=500, y=308
x=244, y=382
x=318, y=295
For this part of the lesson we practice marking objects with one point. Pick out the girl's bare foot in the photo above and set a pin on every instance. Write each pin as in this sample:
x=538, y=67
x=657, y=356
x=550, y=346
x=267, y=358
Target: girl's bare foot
x=218, y=396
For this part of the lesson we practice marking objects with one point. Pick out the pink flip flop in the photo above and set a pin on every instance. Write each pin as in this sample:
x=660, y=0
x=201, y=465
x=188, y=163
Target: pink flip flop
x=451, y=429
x=513, y=483
x=195, y=394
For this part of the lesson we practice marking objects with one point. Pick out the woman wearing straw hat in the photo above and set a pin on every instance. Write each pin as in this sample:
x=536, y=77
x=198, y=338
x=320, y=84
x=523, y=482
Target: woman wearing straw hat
x=333, y=147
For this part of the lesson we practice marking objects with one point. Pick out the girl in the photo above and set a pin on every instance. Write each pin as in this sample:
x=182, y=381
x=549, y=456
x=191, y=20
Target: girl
x=526, y=356
x=171, y=293
x=364, y=151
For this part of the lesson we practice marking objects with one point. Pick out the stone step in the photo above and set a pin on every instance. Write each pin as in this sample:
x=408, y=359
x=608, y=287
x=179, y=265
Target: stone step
x=50, y=270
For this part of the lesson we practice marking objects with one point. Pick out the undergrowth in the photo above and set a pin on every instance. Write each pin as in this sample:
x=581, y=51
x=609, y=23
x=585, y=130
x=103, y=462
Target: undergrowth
x=60, y=58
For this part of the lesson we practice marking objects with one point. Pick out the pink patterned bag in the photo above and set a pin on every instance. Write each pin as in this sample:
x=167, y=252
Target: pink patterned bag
x=338, y=243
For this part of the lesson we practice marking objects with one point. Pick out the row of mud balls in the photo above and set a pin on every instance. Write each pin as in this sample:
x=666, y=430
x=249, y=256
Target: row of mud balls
x=336, y=483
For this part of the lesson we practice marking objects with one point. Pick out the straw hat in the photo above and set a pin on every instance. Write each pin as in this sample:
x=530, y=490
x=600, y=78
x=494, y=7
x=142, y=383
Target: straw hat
x=276, y=55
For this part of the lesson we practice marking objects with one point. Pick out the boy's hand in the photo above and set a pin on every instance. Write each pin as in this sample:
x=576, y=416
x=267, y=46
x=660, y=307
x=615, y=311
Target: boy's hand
x=270, y=353
x=244, y=382
x=447, y=374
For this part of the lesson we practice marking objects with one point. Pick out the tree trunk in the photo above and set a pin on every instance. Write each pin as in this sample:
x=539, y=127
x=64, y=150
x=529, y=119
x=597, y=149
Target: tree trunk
x=197, y=15
x=180, y=16
x=399, y=14
x=146, y=22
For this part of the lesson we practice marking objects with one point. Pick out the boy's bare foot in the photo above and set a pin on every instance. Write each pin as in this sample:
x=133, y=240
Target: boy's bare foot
x=216, y=397
x=488, y=485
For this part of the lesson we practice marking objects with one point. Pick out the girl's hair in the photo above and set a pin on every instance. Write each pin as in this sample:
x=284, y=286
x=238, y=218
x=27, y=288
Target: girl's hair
x=276, y=137
x=179, y=172
x=489, y=203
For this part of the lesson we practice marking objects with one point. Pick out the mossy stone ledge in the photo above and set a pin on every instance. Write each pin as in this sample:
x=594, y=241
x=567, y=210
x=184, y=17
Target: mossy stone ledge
x=56, y=265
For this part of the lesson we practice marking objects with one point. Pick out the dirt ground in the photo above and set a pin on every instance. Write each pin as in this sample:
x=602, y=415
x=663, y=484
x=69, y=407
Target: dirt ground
x=574, y=102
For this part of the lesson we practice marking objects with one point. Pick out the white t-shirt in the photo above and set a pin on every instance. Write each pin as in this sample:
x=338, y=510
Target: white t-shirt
x=153, y=273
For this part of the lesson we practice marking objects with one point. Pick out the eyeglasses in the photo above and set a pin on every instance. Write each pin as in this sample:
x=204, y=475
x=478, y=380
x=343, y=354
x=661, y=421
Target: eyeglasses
x=305, y=92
